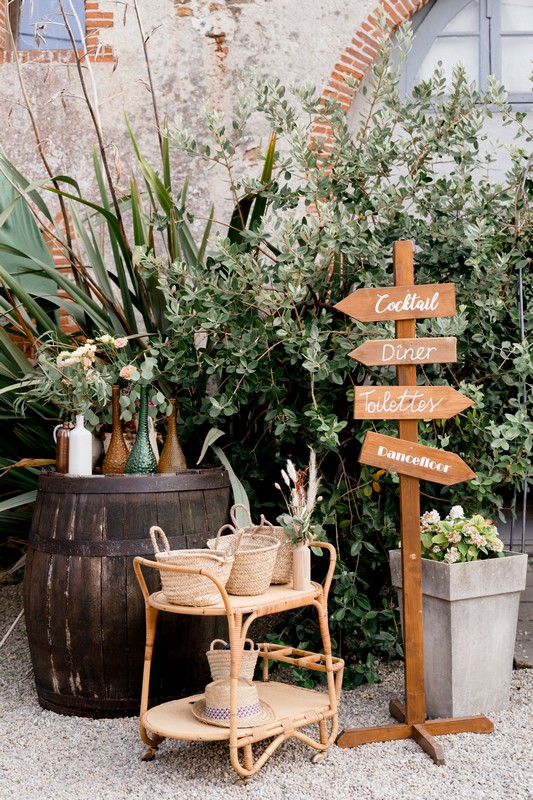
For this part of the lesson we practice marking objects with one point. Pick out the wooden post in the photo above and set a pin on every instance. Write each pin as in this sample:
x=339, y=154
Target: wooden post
x=410, y=517
x=412, y=715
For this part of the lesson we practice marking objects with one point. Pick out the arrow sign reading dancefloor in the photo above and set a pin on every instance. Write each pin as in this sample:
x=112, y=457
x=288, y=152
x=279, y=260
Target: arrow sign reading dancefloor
x=408, y=402
x=379, y=352
x=416, y=460
x=400, y=302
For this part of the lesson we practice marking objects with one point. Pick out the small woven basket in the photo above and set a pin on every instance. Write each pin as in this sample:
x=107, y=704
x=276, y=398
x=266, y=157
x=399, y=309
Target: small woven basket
x=283, y=565
x=185, y=589
x=219, y=660
x=254, y=554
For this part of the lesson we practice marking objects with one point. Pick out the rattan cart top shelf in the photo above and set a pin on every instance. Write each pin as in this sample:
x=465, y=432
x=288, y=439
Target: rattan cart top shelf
x=294, y=707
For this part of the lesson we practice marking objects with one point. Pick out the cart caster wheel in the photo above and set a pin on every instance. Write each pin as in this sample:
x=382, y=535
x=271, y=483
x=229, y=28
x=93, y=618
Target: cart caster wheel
x=241, y=781
x=318, y=758
x=149, y=754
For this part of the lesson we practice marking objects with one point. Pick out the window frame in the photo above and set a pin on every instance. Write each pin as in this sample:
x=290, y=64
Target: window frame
x=26, y=6
x=95, y=21
x=430, y=22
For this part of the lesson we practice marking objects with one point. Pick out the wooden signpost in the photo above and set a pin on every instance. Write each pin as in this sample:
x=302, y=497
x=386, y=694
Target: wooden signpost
x=406, y=351
x=408, y=402
x=405, y=302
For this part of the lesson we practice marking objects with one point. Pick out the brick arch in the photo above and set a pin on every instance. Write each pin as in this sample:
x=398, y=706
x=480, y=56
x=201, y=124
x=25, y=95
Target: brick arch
x=358, y=56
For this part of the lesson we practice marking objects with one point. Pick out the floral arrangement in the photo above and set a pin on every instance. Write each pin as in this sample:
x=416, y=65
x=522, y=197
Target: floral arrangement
x=303, y=487
x=80, y=380
x=458, y=538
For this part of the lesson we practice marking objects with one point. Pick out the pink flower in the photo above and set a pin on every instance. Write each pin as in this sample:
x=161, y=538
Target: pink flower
x=121, y=342
x=126, y=371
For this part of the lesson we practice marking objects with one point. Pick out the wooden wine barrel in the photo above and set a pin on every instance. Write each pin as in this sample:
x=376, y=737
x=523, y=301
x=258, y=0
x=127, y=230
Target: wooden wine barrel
x=83, y=605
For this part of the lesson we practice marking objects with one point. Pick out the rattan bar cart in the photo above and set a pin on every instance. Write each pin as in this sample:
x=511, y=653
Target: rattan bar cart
x=294, y=707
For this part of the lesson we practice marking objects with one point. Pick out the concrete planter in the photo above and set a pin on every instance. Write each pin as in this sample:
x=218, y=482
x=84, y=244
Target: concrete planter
x=470, y=618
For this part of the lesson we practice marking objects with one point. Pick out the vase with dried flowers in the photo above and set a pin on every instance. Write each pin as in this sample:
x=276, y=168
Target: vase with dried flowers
x=298, y=520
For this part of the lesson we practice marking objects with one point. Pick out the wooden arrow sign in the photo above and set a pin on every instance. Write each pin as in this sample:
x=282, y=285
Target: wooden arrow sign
x=400, y=302
x=408, y=402
x=416, y=460
x=376, y=353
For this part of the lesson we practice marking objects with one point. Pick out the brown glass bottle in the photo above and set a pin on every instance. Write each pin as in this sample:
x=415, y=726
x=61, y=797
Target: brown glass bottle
x=117, y=453
x=172, y=458
x=61, y=438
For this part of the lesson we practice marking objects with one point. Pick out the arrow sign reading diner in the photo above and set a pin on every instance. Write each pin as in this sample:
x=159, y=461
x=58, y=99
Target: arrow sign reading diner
x=408, y=402
x=417, y=460
x=376, y=353
x=400, y=302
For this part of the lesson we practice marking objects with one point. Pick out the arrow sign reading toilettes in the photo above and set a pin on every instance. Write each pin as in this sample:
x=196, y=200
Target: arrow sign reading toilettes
x=408, y=402
x=417, y=460
x=377, y=353
x=400, y=302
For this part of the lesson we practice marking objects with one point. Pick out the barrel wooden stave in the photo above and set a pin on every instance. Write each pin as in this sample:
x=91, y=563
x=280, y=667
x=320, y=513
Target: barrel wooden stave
x=84, y=608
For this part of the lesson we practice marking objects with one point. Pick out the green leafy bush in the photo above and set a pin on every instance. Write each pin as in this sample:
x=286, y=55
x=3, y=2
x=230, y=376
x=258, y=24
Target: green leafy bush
x=246, y=336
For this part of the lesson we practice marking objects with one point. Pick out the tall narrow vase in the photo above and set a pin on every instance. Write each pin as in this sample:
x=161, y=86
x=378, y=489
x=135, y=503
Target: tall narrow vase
x=80, y=449
x=61, y=438
x=301, y=568
x=142, y=457
x=172, y=458
x=117, y=452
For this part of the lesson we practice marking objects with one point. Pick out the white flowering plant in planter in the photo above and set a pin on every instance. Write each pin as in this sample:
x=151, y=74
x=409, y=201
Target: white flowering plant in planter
x=457, y=538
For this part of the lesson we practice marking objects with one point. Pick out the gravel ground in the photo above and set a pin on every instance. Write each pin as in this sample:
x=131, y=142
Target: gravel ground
x=46, y=756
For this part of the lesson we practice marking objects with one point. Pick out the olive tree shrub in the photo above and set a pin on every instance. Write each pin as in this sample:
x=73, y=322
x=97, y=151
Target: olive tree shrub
x=256, y=348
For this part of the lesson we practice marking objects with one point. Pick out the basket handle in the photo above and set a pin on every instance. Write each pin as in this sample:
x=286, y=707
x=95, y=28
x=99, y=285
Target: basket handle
x=238, y=536
x=225, y=645
x=223, y=528
x=265, y=522
x=156, y=531
x=234, y=518
x=217, y=641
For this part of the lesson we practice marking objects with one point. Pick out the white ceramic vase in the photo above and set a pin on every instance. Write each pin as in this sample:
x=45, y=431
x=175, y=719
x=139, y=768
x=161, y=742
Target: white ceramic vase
x=80, y=450
x=301, y=568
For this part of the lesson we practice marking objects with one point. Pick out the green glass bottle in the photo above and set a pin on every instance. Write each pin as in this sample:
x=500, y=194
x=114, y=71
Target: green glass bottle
x=142, y=459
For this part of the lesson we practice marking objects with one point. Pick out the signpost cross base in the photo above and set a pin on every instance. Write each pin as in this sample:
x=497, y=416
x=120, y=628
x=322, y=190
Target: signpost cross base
x=423, y=733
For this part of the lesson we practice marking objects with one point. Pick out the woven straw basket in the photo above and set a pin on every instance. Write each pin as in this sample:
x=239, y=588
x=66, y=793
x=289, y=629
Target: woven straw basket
x=283, y=565
x=219, y=660
x=184, y=589
x=254, y=554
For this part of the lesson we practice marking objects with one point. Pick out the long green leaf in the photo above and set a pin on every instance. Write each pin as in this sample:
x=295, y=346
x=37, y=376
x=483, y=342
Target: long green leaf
x=30, y=304
x=73, y=291
x=19, y=500
x=10, y=171
x=9, y=347
x=123, y=268
x=239, y=492
x=205, y=238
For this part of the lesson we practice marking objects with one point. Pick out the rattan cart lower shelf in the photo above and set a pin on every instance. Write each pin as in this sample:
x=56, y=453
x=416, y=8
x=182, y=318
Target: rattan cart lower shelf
x=175, y=720
x=294, y=709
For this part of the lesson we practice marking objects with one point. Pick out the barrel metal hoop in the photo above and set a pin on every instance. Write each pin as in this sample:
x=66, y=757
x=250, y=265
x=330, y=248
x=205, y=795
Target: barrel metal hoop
x=108, y=547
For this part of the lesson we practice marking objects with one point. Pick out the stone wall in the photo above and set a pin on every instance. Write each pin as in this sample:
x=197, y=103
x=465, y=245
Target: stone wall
x=197, y=50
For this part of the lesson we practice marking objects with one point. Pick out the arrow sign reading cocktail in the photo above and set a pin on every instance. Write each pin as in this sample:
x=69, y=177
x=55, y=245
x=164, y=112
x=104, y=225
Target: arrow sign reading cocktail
x=417, y=460
x=400, y=302
x=376, y=353
x=408, y=402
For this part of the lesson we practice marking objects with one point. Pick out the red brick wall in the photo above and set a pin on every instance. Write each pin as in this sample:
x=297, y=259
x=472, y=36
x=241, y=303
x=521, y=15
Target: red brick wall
x=95, y=20
x=361, y=52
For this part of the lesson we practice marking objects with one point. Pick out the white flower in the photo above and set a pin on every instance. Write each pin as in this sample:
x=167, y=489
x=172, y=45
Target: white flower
x=291, y=469
x=452, y=555
x=285, y=477
x=496, y=545
x=456, y=513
